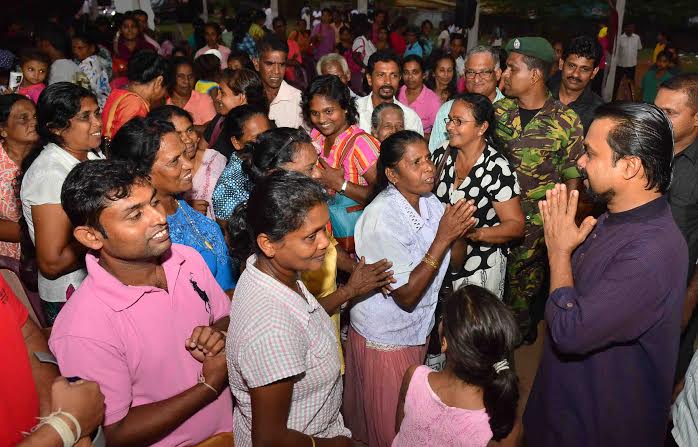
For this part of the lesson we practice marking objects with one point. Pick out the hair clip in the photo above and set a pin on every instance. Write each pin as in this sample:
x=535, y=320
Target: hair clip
x=501, y=366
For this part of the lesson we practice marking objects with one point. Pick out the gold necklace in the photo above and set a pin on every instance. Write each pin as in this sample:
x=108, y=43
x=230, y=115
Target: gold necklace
x=191, y=223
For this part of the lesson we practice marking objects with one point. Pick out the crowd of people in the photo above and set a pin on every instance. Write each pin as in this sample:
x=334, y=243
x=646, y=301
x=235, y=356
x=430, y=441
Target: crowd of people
x=339, y=234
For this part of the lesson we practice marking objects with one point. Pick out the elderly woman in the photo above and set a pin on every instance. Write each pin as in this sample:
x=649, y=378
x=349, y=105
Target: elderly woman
x=237, y=88
x=348, y=155
x=282, y=357
x=17, y=137
x=475, y=170
x=70, y=127
x=148, y=78
x=182, y=93
x=207, y=164
x=407, y=224
x=156, y=148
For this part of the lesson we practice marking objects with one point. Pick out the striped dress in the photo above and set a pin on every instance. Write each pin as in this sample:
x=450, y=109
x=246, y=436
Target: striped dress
x=359, y=158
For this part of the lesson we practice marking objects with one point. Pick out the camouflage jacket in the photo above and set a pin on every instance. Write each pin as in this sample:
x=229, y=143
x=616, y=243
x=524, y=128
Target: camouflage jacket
x=545, y=152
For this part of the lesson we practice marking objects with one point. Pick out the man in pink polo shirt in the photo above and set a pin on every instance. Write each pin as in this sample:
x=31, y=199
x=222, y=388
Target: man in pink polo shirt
x=147, y=322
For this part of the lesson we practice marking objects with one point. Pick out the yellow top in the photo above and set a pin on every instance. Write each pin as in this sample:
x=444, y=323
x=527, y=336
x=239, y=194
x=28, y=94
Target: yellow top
x=657, y=49
x=323, y=282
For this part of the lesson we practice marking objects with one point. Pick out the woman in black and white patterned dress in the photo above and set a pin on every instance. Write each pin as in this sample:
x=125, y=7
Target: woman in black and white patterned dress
x=476, y=170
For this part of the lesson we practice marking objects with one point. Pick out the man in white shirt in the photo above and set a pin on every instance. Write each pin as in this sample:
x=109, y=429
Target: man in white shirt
x=628, y=46
x=383, y=76
x=284, y=100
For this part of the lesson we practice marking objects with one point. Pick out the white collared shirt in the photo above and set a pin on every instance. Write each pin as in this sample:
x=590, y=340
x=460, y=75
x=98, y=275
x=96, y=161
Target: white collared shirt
x=285, y=109
x=391, y=229
x=365, y=108
x=628, y=46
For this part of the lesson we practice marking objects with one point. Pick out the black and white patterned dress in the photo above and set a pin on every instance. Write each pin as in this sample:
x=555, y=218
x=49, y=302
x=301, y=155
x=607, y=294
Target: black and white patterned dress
x=490, y=180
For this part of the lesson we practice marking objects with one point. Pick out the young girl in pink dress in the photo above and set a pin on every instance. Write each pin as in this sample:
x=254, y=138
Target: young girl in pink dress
x=474, y=399
x=34, y=65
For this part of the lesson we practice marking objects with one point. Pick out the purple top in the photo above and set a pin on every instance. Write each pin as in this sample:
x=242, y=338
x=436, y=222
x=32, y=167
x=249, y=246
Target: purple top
x=327, y=39
x=611, y=348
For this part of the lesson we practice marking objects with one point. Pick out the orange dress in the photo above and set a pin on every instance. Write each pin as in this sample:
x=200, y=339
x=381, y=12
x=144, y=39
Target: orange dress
x=121, y=106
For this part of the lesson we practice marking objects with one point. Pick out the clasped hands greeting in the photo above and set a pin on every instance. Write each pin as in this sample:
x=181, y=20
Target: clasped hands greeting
x=558, y=211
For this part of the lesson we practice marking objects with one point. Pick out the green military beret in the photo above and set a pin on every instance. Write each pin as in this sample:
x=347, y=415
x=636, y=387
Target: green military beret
x=536, y=47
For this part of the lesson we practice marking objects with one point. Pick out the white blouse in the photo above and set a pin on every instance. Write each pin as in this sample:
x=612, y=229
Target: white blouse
x=390, y=228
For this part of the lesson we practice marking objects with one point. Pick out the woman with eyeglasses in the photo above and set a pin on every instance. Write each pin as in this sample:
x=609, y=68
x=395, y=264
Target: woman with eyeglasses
x=474, y=169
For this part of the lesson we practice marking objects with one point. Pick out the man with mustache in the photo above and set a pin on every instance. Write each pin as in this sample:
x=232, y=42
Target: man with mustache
x=542, y=139
x=148, y=322
x=617, y=288
x=571, y=85
x=383, y=76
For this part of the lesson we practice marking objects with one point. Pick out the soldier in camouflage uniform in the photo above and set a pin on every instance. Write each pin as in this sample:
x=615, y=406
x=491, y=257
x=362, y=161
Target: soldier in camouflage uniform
x=542, y=139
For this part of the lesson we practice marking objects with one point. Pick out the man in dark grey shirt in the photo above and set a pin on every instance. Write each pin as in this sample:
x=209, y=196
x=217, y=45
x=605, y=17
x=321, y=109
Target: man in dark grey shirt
x=572, y=84
x=678, y=97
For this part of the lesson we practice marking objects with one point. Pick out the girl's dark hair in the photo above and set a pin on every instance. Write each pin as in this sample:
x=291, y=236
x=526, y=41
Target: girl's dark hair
x=86, y=37
x=236, y=119
x=430, y=81
x=6, y=104
x=277, y=206
x=330, y=86
x=139, y=140
x=272, y=149
x=249, y=83
x=480, y=331
x=32, y=54
x=392, y=150
x=483, y=112
x=207, y=67
x=216, y=27
x=165, y=113
x=243, y=57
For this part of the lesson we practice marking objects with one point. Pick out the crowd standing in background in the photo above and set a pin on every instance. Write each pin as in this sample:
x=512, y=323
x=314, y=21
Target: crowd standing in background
x=336, y=229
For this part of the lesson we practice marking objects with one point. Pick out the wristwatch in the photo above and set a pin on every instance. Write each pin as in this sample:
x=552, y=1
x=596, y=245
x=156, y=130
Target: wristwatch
x=344, y=187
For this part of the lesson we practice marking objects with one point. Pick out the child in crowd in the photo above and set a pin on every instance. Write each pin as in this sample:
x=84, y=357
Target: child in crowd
x=34, y=65
x=207, y=70
x=654, y=77
x=474, y=398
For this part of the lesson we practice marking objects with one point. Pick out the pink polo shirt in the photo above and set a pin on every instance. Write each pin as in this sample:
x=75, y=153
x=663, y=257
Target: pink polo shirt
x=426, y=105
x=130, y=340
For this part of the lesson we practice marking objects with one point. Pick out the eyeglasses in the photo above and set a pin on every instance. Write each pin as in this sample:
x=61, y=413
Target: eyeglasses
x=456, y=121
x=484, y=74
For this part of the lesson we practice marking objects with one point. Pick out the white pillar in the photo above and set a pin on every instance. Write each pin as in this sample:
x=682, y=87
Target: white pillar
x=274, y=8
x=475, y=30
x=204, y=15
x=611, y=78
x=362, y=6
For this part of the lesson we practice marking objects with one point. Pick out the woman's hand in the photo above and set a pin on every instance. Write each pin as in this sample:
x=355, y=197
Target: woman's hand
x=330, y=177
x=456, y=221
x=368, y=277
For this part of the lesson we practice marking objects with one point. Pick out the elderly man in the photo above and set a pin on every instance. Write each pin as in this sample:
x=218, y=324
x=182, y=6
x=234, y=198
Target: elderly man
x=387, y=119
x=616, y=292
x=335, y=64
x=482, y=75
x=383, y=76
x=543, y=138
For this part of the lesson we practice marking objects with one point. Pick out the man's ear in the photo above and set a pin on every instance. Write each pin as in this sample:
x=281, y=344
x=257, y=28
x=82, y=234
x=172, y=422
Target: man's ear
x=89, y=237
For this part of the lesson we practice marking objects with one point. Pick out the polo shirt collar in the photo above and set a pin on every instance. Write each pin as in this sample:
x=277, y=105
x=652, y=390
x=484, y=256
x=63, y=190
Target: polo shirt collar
x=284, y=93
x=303, y=306
x=119, y=296
x=691, y=152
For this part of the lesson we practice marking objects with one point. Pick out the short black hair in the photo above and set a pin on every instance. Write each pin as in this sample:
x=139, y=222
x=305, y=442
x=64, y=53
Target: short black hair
x=236, y=119
x=33, y=54
x=167, y=112
x=271, y=42
x=246, y=82
x=331, y=87
x=382, y=56
x=56, y=36
x=413, y=58
x=583, y=46
x=139, y=12
x=534, y=63
x=277, y=20
x=146, y=65
x=139, y=140
x=456, y=36
x=91, y=185
x=641, y=130
x=391, y=152
x=687, y=83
